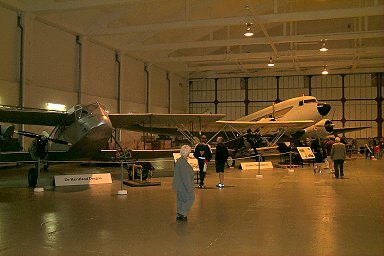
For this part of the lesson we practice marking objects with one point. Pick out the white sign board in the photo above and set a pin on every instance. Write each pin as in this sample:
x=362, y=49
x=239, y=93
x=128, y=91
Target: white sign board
x=82, y=179
x=191, y=160
x=255, y=165
x=306, y=153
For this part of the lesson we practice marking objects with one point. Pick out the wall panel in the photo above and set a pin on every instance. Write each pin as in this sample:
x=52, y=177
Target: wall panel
x=359, y=86
x=232, y=110
x=9, y=47
x=133, y=86
x=99, y=68
x=292, y=86
x=262, y=89
x=56, y=67
x=326, y=87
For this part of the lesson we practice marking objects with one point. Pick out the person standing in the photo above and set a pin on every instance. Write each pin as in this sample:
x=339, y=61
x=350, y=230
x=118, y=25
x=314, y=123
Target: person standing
x=338, y=153
x=328, y=147
x=183, y=184
x=203, y=154
x=220, y=160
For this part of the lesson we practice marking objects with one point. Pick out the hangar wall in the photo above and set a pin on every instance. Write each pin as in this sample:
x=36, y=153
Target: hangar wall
x=41, y=63
x=356, y=99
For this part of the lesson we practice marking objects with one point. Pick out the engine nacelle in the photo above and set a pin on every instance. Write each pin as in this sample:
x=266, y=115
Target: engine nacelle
x=6, y=131
x=321, y=129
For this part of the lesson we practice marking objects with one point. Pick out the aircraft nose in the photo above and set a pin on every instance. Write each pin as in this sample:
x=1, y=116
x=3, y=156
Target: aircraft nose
x=323, y=108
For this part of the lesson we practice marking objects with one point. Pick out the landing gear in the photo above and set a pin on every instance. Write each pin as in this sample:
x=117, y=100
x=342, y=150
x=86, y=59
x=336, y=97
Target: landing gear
x=32, y=177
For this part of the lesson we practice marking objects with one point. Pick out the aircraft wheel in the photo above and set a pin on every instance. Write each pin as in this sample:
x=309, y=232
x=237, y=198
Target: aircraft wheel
x=231, y=161
x=32, y=177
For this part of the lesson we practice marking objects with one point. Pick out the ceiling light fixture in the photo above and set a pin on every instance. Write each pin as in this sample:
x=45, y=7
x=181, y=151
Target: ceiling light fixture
x=271, y=64
x=325, y=70
x=248, y=31
x=323, y=46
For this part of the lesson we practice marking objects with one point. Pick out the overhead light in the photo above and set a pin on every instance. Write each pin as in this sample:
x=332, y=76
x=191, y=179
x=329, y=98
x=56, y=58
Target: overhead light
x=248, y=31
x=271, y=64
x=55, y=106
x=325, y=70
x=323, y=46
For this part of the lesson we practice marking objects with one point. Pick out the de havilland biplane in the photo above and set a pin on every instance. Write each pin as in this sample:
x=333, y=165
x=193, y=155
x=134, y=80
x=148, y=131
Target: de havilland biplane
x=82, y=132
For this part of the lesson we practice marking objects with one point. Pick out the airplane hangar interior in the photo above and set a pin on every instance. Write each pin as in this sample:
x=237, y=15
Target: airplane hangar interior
x=280, y=100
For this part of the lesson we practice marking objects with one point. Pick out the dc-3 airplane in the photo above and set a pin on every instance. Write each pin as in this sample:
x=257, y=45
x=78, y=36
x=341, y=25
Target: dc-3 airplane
x=287, y=121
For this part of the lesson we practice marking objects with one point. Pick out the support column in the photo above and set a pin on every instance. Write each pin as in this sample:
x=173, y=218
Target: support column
x=246, y=95
x=79, y=51
x=343, y=100
x=277, y=89
x=216, y=102
x=118, y=91
x=379, y=101
x=147, y=86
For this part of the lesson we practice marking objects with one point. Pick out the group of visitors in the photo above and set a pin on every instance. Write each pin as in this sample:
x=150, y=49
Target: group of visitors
x=183, y=181
x=374, y=148
x=333, y=151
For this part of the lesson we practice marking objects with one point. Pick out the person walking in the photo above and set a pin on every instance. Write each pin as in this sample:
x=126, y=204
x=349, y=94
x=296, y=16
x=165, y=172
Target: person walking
x=328, y=147
x=338, y=153
x=203, y=154
x=183, y=184
x=220, y=160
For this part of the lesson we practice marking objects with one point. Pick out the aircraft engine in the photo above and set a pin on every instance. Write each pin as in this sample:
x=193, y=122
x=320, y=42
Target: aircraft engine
x=321, y=129
x=6, y=131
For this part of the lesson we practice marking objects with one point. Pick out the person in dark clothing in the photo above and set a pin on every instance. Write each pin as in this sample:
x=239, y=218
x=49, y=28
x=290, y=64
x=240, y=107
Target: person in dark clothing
x=318, y=151
x=203, y=154
x=220, y=160
x=338, y=153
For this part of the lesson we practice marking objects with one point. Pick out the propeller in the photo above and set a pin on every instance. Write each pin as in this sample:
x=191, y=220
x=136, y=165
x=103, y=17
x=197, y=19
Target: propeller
x=43, y=136
x=38, y=148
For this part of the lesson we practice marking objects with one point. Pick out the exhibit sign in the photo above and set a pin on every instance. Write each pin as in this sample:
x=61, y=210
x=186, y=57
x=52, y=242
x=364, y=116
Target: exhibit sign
x=83, y=179
x=191, y=160
x=255, y=165
x=306, y=153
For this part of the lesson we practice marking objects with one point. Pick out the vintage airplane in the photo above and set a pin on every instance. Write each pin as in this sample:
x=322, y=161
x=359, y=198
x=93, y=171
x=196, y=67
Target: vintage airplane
x=81, y=133
x=287, y=121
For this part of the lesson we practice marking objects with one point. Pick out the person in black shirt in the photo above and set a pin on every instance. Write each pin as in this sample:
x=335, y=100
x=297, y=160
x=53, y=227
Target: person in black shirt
x=220, y=160
x=203, y=154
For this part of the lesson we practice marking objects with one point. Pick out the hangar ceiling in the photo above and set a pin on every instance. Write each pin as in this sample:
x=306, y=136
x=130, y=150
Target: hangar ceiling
x=205, y=38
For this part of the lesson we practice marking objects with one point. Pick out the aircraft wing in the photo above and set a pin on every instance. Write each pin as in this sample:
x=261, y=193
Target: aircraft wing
x=16, y=115
x=127, y=121
x=268, y=124
x=349, y=129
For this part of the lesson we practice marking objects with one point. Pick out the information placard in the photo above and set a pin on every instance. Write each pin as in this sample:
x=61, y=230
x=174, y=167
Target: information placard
x=82, y=179
x=306, y=153
x=255, y=165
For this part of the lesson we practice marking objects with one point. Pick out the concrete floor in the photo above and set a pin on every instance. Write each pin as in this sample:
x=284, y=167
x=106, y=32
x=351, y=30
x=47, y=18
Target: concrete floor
x=284, y=213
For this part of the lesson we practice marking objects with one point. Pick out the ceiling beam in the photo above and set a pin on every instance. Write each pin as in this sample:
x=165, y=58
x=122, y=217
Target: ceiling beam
x=51, y=6
x=330, y=64
x=262, y=19
x=263, y=55
x=251, y=41
x=263, y=73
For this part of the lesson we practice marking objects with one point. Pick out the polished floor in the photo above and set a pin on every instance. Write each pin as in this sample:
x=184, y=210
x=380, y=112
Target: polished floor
x=299, y=213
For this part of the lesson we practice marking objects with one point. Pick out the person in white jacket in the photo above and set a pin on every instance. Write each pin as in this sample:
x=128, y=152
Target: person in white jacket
x=183, y=184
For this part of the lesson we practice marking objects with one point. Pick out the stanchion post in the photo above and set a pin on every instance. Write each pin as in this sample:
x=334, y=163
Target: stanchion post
x=38, y=189
x=122, y=191
x=290, y=161
x=259, y=176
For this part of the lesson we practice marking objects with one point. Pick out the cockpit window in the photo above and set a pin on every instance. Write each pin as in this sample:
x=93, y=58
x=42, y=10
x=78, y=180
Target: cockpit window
x=301, y=103
x=310, y=100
